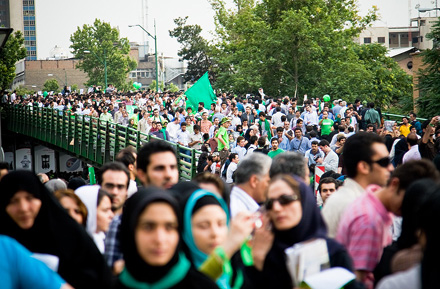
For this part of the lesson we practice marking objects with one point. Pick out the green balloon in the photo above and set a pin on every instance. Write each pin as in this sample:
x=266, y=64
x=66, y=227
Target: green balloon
x=326, y=97
x=139, y=85
x=135, y=84
x=45, y=93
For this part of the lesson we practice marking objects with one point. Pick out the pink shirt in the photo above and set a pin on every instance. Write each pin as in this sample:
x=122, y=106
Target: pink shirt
x=364, y=230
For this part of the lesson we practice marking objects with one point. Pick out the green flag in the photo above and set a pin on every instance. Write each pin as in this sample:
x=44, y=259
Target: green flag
x=201, y=91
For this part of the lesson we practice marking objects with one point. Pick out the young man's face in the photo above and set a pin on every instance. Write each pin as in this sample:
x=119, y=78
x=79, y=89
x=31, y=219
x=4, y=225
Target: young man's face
x=298, y=133
x=327, y=190
x=162, y=171
x=274, y=144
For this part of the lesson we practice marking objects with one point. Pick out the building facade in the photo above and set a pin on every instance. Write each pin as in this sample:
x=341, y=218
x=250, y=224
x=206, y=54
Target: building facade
x=20, y=15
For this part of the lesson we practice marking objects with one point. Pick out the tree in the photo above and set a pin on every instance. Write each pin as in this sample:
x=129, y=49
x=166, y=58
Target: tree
x=195, y=49
x=21, y=91
x=428, y=103
x=289, y=47
x=152, y=86
x=105, y=47
x=171, y=87
x=51, y=85
x=12, y=52
x=388, y=83
x=74, y=87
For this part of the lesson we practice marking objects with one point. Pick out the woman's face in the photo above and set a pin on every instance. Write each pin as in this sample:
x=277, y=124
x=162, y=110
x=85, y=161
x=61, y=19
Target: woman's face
x=72, y=209
x=104, y=215
x=23, y=208
x=156, y=234
x=287, y=216
x=209, y=228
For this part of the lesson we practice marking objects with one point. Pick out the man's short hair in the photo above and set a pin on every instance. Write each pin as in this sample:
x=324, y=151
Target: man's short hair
x=153, y=147
x=324, y=143
x=274, y=139
x=253, y=139
x=112, y=166
x=262, y=141
x=414, y=170
x=297, y=128
x=412, y=139
x=239, y=139
x=232, y=156
x=126, y=156
x=262, y=114
x=196, y=127
x=357, y=148
x=329, y=180
x=254, y=164
x=315, y=142
x=280, y=129
x=289, y=163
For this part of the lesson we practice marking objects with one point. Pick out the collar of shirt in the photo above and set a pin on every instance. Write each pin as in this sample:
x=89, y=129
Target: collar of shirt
x=247, y=200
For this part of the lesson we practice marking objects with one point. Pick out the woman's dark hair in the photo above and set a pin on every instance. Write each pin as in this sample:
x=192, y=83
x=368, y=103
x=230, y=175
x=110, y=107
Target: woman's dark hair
x=101, y=194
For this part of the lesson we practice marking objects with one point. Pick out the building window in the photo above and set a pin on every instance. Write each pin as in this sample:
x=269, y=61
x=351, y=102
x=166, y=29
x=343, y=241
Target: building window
x=132, y=74
x=380, y=39
x=422, y=22
x=367, y=40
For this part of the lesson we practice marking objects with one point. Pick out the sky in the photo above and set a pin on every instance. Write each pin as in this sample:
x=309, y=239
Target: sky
x=56, y=20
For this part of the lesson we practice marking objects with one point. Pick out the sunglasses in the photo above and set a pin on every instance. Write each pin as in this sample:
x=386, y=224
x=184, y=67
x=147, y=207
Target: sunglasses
x=283, y=200
x=383, y=162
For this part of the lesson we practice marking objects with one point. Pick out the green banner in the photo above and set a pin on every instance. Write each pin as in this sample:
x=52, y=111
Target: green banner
x=201, y=91
x=130, y=109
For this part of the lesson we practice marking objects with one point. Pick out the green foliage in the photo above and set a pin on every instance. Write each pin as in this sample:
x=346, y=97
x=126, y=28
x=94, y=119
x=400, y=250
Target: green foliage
x=171, y=87
x=428, y=103
x=74, y=87
x=21, y=91
x=51, y=85
x=388, y=83
x=106, y=47
x=152, y=86
x=195, y=49
x=12, y=52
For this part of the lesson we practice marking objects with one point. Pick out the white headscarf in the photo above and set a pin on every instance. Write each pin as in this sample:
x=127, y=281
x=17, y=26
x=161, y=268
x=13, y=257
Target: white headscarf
x=89, y=196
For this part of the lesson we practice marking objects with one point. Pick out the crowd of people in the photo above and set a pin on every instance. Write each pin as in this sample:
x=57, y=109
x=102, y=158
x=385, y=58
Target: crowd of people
x=252, y=201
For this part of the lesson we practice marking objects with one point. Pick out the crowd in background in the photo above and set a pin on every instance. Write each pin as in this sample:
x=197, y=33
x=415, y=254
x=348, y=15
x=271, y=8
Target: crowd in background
x=252, y=199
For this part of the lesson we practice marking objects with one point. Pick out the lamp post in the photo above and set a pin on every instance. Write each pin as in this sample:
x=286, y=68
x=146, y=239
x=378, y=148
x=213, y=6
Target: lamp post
x=155, y=50
x=104, y=62
x=422, y=10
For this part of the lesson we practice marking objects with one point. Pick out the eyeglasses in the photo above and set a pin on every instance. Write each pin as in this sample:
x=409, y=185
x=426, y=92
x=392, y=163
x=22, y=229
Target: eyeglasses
x=283, y=200
x=383, y=162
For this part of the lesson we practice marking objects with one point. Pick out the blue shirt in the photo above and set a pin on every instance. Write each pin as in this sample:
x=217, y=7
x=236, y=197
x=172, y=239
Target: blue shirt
x=284, y=144
x=241, y=151
x=300, y=145
x=19, y=270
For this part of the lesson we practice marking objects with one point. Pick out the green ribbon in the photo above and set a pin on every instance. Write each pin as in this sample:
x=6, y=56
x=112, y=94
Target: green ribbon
x=174, y=276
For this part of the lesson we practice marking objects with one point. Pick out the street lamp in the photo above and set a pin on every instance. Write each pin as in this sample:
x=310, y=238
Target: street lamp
x=104, y=62
x=422, y=10
x=155, y=50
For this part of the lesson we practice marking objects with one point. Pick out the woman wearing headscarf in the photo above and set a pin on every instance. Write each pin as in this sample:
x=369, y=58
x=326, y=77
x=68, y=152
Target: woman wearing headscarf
x=100, y=214
x=32, y=216
x=294, y=217
x=150, y=245
x=406, y=251
x=209, y=242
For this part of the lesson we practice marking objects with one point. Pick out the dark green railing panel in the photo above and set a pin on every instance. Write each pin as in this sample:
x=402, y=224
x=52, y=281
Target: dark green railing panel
x=88, y=137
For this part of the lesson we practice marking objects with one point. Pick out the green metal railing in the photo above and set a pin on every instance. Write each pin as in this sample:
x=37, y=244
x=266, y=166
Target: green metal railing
x=88, y=137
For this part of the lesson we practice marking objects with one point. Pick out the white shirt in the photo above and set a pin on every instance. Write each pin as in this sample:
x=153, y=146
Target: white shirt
x=172, y=129
x=231, y=169
x=240, y=201
x=338, y=202
x=412, y=154
x=196, y=137
x=276, y=119
x=183, y=137
x=240, y=151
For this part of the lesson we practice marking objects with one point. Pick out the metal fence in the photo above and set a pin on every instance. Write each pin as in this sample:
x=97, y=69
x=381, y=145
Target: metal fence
x=88, y=137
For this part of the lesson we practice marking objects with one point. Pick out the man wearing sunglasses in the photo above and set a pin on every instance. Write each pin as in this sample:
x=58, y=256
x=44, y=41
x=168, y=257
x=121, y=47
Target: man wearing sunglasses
x=365, y=227
x=367, y=162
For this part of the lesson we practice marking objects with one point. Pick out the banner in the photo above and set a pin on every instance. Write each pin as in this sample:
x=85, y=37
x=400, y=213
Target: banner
x=23, y=159
x=44, y=159
x=201, y=91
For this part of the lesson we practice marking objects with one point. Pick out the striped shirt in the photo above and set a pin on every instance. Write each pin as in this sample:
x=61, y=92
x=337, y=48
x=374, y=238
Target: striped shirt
x=364, y=230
